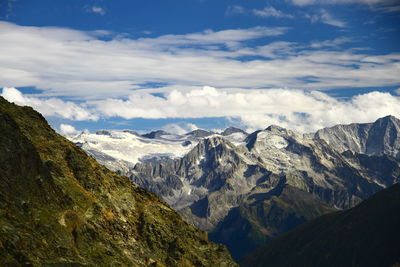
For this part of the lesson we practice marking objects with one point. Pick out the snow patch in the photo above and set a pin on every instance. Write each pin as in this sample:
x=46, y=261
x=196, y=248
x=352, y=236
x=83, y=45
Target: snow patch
x=273, y=140
x=132, y=148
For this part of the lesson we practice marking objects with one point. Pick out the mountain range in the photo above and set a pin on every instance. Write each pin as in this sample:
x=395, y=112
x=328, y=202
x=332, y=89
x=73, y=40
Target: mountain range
x=247, y=189
x=59, y=207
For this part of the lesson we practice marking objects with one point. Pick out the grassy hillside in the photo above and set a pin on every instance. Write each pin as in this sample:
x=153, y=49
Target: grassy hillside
x=59, y=206
x=366, y=235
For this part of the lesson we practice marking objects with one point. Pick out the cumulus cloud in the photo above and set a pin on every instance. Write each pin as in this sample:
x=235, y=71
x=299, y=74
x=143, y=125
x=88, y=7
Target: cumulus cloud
x=300, y=110
x=71, y=63
x=52, y=107
x=304, y=111
x=68, y=130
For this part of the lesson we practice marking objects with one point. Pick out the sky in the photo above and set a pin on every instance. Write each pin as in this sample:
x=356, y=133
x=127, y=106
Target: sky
x=179, y=65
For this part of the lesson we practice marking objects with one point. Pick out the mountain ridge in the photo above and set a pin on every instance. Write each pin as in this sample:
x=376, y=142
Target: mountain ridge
x=221, y=182
x=218, y=177
x=366, y=235
x=58, y=206
x=377, y=138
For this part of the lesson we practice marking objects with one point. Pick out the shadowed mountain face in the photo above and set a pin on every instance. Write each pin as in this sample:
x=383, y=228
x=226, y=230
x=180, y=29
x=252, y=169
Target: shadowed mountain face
x=366, y=235
x=59, y=206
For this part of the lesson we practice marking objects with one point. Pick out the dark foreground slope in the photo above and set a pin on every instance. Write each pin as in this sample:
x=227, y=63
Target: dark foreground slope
x=366, y=235
x=57, y=205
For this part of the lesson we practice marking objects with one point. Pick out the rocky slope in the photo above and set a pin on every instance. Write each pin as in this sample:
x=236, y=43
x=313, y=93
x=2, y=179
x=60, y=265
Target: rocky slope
x=379, y=138
x=366, y=235
x=121, y=150
x=247, y=194
x=59, y=207
x=248, y=189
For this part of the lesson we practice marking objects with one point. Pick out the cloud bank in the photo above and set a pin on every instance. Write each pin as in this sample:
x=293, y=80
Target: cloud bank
x=304, y=111
x=97, y=65
x=51, y=107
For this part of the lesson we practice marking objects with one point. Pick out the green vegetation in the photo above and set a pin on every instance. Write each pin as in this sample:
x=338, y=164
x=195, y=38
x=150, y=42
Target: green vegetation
x=59, y=207
x=263, y=217
x=366, y=235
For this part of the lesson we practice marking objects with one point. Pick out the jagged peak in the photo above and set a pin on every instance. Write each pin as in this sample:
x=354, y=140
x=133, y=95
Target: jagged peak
x=210, y=142
x=103, y=132
x=155, y=134
x=387, y=119
x=274, y=127
x=251, y=139
x=230, y=130
x=278, y=130
x=214, y=140
x=131, y=132
x=200, y=133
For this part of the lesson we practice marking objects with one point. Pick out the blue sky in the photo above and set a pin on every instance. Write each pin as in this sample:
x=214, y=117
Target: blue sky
x=183, y=64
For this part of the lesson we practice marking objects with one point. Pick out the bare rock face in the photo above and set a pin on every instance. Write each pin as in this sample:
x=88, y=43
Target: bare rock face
x=199, y=133
x=233, y=130
x=248, y=194
x=379, y=138
x=59, y=207
x=246, y=189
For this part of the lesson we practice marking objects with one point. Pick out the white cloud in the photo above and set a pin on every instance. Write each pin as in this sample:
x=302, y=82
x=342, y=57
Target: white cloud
x=97, y=10
x=330, y=2
x=68, y=130
x=331, y=43
x=390, y=8
x=52, y=107
x=270, y=11
x=70, y=63
x=325, y=17
x=304, y=111
x=179, y=128
x=236, y=9
x=380, y=5
x=300, y=110
x=210, y=37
